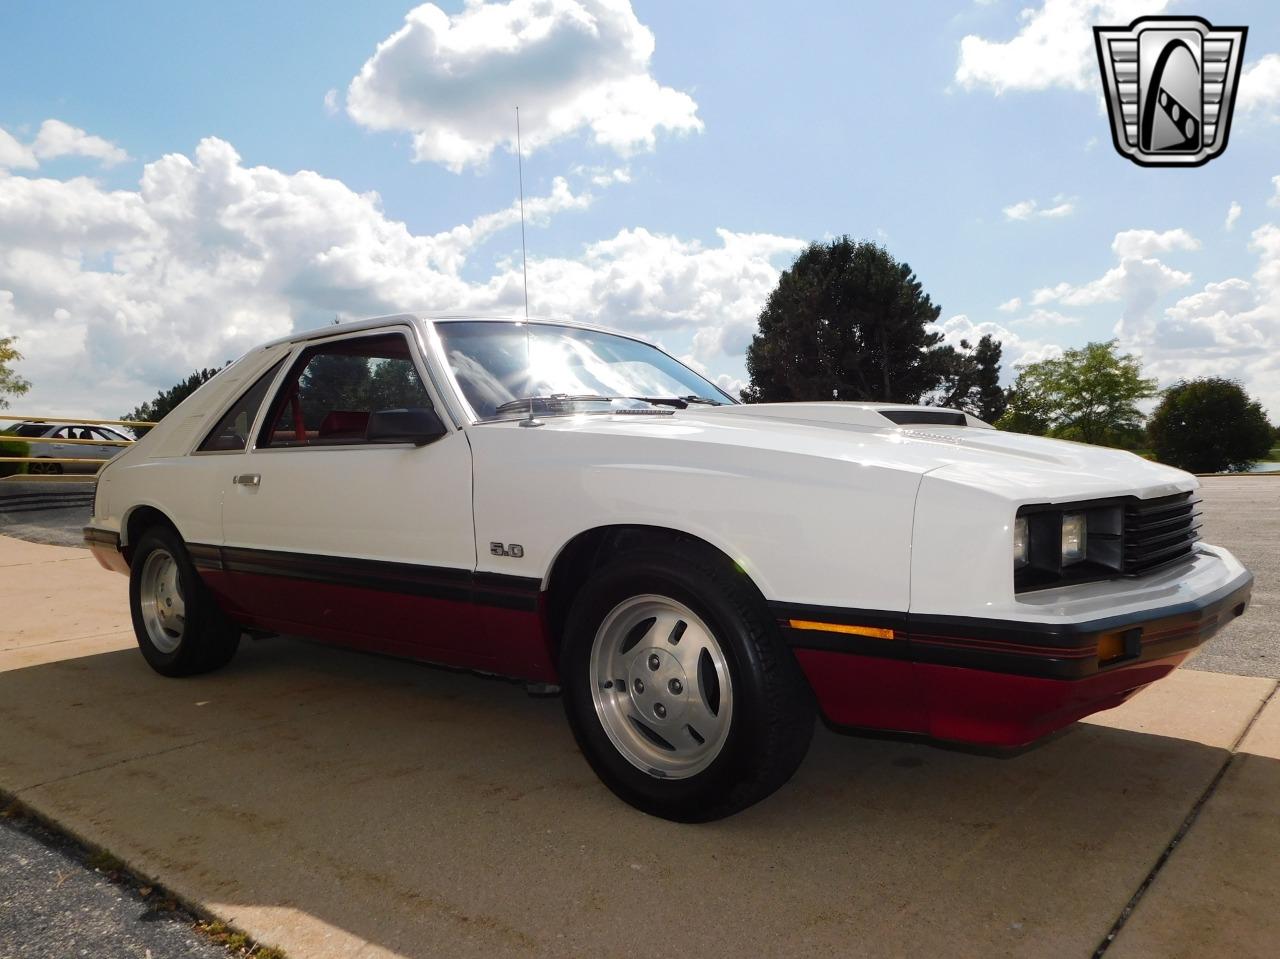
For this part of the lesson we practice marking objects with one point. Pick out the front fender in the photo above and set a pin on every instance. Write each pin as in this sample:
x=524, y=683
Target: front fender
x=806, y=529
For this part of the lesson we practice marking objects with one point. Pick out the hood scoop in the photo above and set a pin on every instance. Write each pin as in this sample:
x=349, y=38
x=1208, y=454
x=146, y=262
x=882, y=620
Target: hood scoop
x=874, y=416
x=911, y=416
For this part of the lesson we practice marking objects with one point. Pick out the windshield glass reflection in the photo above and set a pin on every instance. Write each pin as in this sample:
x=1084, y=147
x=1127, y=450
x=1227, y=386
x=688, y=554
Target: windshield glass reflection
x=498, y=363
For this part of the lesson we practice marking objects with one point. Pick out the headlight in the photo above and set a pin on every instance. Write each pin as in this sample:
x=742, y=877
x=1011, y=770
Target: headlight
x=1054, y=545
x=1021, y=549
x=1074, y=538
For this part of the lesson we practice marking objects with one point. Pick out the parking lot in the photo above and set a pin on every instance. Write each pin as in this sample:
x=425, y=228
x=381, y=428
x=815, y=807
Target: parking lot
x=336, y=804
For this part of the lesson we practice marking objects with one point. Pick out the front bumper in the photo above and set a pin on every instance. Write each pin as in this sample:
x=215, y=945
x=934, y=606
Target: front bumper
x=1005, y=682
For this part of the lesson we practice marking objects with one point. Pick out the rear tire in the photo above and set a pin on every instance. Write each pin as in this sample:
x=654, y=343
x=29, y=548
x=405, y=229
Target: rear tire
x=44, y=469
x=179, y=627
x=678, y=687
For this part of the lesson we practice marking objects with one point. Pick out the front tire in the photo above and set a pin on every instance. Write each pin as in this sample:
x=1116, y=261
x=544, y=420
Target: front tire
x=179, y=627
x=678, y=687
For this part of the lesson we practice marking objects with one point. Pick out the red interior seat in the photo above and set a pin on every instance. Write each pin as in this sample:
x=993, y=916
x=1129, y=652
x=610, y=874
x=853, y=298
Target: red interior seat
x=347, y=424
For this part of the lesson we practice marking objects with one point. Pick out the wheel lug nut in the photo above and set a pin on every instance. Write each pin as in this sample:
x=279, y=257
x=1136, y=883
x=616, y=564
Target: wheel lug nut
x=654, y=662
x=639, y=686
x=676, y=687
x=660, y=710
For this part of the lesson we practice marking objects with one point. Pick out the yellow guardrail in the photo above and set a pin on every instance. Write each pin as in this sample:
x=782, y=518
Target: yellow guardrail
x=75, y=419
x=59, y=475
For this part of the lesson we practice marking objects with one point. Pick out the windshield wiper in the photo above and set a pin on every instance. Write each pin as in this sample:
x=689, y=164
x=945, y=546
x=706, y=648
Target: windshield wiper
x=679, y=402
x=552, y=399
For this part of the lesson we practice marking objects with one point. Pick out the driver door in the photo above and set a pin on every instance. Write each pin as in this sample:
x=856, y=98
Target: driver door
x=329, y=535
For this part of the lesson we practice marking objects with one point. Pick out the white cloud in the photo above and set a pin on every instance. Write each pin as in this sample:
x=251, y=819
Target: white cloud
x=1233, y=214
x=331, y=105
x=1026, y=209
x=1275, y=200
x=603, y=175
x=1043, y=317
x=1016, y=349
x=58, y=139
x=1143, y=243
x=1010, y=305
x=118, y=293
x=653, y=282
x=1053, y=48
x=1260, y=86
x=1021, y=210
x=1137, y=282
x=14, y=153
x=1229, y=328
x=570, y=65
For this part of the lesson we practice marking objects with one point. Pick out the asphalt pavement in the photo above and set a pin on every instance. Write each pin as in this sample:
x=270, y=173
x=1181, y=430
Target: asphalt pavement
x=1243, y=514
x=55, y=906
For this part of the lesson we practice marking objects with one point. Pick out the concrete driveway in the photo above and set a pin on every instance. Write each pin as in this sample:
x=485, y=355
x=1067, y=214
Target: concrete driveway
x=343, y=805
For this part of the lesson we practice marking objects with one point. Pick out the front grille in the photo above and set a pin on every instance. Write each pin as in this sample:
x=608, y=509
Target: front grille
x=1159, y=532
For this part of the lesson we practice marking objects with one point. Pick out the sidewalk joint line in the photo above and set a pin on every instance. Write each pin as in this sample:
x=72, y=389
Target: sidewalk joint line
x=148, y=755
x=1185, y=828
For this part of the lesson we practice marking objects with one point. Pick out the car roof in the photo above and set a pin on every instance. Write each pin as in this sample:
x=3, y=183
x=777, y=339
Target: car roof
x=374, y=322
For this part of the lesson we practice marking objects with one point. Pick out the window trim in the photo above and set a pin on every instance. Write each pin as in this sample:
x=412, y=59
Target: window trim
x=295, y=354
x=469, y=413
x=213, y=420
x=213, y=425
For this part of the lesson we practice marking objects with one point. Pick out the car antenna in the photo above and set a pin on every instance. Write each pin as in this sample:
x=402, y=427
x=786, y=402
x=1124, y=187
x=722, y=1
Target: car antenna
x=524, y=263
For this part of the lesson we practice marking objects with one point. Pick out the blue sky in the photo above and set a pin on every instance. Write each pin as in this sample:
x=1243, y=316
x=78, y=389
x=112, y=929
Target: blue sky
x=985, y=163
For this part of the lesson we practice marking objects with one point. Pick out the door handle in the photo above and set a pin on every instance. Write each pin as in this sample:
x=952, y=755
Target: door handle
x=253, y=480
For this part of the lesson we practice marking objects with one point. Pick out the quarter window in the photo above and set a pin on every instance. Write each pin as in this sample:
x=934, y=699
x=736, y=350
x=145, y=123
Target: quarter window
x=232, y=432
x=328, y=395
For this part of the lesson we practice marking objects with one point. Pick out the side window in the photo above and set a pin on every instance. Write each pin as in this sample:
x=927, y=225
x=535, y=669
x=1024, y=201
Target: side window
x=232, y=432
x=65, y=433
x=328, y=395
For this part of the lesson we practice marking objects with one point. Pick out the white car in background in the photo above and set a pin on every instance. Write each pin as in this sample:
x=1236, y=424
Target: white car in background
x=88, y=442
x=572, y=506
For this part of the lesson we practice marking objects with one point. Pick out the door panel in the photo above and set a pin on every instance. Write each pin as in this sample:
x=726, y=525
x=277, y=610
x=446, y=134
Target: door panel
x=329, y=535
x=327, y=516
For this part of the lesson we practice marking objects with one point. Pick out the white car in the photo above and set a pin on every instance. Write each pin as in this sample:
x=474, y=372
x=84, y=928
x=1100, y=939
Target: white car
x=574, y=507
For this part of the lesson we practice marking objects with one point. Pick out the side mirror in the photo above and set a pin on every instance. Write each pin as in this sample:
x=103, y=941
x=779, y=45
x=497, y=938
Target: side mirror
x=417, y=426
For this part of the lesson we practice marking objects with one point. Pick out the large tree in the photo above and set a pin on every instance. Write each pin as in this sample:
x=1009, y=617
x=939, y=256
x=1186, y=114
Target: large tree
x=11, y=384
x=1209, y=425
x=972, y=380
x=165, y=401
x=847, y=321
x=1088, y=394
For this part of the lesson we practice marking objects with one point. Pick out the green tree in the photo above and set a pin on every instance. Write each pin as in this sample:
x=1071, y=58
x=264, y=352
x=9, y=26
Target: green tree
x=847, y=321
x=972, y=380
x=165, y=401
x=11, y=384
x=1088, y=394
x=1209, y=425
x=333, y=382
x=395, y=385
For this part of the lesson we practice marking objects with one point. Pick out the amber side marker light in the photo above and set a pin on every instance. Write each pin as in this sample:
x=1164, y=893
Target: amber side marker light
x=872, y=631
x=1123, y=644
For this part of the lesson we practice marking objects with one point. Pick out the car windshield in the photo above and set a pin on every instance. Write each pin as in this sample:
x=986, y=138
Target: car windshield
x=564, y=369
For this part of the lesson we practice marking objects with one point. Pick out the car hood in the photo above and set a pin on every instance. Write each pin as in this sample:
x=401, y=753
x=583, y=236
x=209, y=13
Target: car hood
x=1010, y=465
